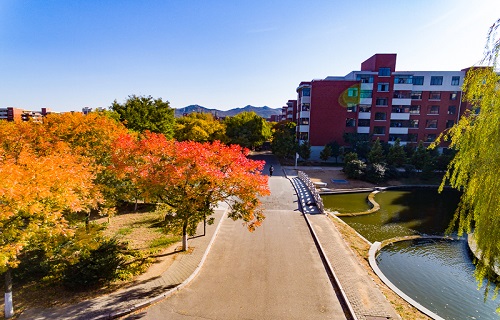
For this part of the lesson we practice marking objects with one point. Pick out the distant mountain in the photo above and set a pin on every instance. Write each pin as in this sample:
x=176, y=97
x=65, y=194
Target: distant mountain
x=264, y=112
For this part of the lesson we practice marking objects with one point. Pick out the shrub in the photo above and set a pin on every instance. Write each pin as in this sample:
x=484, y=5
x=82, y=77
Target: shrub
x=355, y=169
x=95, y=266
x=375, y=173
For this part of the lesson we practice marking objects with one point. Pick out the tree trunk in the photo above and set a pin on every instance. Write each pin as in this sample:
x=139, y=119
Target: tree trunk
x=9, y=307
x=184, y=236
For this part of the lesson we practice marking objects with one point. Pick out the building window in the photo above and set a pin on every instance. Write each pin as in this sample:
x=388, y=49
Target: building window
x=452, y=110
x=304, y=121
x=384, y=72
x=412, y=137
x=400, y=109
x=304, y=136
x=416, y=95
x=365, y=93
x=306, y=107
x=351, y=107
x=455, y=80
x=399, y=124
x=350, y=122
x=431, y=124
x=436, y=80
x=380, y=116
x=418, y=80
x=378, y=130
x=365, y=108
x=403, y=79
x=402, y=94
x=449, y=123
x=414, y=109
x=453, y=95
x=364, y=78
x=435, y=95
x=363, y=122
x=413, y=123
x=383, y=87
x=381, y=102
x=433, y=110
x=352, y=92
x=431, y=137
x=306, y=92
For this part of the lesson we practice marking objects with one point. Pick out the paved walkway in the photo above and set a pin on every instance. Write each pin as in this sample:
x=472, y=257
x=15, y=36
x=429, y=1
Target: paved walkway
x=364, y=297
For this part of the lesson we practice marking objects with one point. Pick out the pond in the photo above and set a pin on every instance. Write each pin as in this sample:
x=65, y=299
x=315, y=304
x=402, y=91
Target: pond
x=437, y=274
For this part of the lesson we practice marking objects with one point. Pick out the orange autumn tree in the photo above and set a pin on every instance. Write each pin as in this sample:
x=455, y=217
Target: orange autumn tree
x=91, y=136
x=39, y=183
x=191, y=178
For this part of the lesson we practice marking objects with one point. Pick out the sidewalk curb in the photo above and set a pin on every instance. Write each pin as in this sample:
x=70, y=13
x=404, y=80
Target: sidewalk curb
x=166, y=294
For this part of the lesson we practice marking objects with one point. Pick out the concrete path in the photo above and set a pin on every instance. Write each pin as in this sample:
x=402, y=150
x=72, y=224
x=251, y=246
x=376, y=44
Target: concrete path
x=363, y=294
x=272, y=273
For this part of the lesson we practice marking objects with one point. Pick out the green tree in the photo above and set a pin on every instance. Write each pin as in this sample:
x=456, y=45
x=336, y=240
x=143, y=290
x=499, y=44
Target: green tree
x=325, y=153
x=247, y=129
x=376, y=154
x=336, y=150
x=474, y=169
x=283, y=142
x=420, y=157
x=199, y=127
x=305, y=150
x=143, y=113
x=396, y=155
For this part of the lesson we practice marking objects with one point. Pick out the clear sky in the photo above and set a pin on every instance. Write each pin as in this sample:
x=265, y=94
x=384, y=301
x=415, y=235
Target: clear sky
x=70, y=54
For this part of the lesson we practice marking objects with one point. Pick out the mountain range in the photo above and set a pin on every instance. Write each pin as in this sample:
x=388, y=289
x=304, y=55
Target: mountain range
x=264, y=112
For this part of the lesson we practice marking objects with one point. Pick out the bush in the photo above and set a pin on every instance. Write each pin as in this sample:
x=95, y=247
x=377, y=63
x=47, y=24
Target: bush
x=94, y=267
x=375, y=173
x=355, y=169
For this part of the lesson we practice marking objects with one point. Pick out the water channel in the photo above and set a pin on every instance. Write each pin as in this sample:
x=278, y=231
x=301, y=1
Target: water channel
x=438, y=274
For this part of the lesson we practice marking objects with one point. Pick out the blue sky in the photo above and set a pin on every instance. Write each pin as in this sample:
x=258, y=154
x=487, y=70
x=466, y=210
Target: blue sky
x=70, y=54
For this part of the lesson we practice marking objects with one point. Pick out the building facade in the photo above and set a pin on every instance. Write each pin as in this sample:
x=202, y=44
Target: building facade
x=379, y=102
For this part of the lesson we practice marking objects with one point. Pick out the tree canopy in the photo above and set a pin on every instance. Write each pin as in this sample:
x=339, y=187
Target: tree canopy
x=199, y=127
x=247, y=129
x=144, y=113
x=284, y=144
x=190, y=178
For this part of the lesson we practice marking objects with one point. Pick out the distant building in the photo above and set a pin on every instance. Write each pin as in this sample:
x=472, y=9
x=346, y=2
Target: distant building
x=379, y=102
x=16, y=114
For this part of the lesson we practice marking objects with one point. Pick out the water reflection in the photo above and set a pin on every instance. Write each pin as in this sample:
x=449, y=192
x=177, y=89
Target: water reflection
x=437, y=274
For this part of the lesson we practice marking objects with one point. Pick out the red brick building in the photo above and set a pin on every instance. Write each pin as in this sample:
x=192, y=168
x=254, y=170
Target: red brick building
x=379, y=102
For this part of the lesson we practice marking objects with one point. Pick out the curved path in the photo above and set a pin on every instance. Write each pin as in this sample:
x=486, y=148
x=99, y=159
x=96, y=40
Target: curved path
x=272, y=273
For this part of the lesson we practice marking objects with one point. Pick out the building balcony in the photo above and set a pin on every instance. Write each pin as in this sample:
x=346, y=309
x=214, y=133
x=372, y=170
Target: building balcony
x=400, y=116
x=364, y=115
x=365, y=101
x=304, y=99
x=304, y=114
x=303, y=128
x=402, y=102
x=403, y=86
x=398, y=130
x=363, y=130
x=367, y=86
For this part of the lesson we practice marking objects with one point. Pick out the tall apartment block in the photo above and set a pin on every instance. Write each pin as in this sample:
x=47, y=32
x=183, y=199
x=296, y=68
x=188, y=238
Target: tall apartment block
x=380, y=102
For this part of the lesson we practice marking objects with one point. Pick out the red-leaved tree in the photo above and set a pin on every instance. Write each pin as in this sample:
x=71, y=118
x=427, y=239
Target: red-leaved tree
x=191, y=178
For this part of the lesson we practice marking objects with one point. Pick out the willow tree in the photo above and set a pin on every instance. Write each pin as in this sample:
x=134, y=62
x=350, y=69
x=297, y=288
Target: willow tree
x=474, y=169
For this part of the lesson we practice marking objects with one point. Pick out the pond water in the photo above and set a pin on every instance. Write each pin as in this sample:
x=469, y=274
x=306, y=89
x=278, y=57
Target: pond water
x=437, y=274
